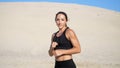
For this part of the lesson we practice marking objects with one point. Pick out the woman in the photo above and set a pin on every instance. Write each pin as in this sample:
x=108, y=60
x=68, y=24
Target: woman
x=64, y=43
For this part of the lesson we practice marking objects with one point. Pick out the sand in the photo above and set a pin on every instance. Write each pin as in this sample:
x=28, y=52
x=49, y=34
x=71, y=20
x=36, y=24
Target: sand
x=26, y=29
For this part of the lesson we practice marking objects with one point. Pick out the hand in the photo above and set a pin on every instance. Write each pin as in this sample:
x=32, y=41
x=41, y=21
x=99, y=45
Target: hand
x=54, y=44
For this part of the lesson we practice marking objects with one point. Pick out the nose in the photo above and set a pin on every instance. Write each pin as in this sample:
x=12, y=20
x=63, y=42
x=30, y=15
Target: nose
x=58, y=22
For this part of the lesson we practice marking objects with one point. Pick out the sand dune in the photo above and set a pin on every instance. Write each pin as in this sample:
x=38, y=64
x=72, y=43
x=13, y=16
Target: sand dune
x=26, y=29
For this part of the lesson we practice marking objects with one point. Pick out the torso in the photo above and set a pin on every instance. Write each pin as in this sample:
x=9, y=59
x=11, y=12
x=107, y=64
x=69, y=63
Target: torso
x=64, y=43
x=63, y=57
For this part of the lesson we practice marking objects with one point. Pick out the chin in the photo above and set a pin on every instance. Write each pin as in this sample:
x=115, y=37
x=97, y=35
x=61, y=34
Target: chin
x=60, y=27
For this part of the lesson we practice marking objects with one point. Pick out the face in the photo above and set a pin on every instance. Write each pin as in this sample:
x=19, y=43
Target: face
x=61, y=21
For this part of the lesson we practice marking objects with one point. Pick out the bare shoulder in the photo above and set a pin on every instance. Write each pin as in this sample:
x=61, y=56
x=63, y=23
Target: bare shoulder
x=70, y=32
x=53, y=35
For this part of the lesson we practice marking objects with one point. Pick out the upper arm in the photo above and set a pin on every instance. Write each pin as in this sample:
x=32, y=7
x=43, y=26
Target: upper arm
x=52, y=37
x=50, y=50
x=73, y=38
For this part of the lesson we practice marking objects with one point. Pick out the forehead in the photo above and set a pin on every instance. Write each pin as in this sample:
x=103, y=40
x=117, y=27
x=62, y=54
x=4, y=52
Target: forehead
x=61, y=16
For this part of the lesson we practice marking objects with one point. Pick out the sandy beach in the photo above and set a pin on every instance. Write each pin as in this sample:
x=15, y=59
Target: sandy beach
x=26, y=29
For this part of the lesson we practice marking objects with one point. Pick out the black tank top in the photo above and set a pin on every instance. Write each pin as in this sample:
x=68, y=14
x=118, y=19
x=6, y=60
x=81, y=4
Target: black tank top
x=63, y=42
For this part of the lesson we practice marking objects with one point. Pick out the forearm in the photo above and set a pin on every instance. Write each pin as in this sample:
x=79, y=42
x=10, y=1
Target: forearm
x=51, y=51
x=72, y=51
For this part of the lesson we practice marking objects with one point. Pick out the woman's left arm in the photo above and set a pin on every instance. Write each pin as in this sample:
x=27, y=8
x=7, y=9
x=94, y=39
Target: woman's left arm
x=74, y=40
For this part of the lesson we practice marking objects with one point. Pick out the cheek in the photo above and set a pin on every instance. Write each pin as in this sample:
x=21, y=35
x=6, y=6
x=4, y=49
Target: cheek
x=57, y=22
x=60, y=22
x=63, y=22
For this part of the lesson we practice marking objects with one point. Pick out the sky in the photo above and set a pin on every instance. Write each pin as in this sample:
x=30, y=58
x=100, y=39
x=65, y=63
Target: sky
x=107, y=4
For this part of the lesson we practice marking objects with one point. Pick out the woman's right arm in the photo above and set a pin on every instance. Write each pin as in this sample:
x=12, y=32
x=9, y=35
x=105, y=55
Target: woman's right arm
x=51, y=50
x=52, y=46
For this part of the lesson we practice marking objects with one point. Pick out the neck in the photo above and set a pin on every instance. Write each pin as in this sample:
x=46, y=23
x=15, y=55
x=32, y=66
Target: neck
x=62, y=29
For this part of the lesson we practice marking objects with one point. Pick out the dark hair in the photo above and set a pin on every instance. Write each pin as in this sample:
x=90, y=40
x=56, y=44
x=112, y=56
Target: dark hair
x=63, y=14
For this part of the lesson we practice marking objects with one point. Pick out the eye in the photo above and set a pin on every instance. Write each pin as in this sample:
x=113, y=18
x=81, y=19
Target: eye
x=57, y=19
x=62, y=19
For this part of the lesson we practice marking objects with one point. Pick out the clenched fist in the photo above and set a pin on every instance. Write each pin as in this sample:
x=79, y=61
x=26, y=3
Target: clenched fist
x=54, y=44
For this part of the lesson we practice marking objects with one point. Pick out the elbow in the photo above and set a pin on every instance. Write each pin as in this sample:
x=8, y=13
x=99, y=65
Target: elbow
x=78, y=50
x=50, y=54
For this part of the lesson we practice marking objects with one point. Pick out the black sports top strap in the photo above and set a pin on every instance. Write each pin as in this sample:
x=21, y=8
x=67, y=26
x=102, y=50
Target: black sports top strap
x=65, y=30
x=55, y=39
x=63, y=42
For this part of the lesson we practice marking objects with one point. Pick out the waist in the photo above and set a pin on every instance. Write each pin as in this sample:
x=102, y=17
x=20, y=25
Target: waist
x=63, y=58
x=64, y=61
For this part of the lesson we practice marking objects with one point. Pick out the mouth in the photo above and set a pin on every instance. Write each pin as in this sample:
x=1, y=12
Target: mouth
x=59, y=26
